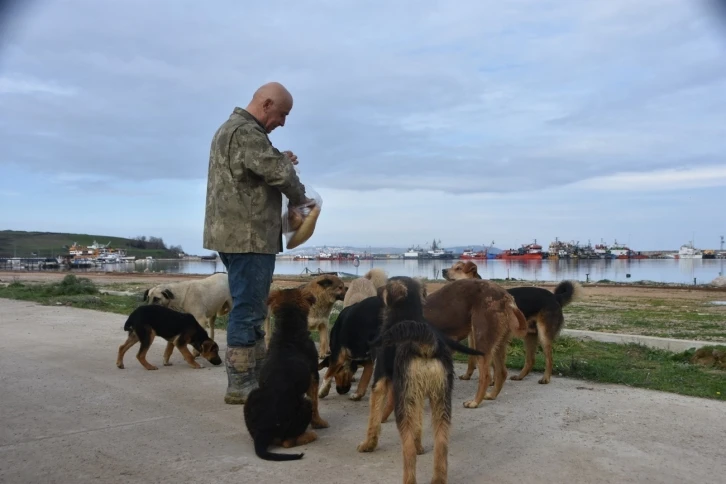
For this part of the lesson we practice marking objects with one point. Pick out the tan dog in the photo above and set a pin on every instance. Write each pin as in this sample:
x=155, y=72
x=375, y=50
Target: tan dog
x=364, y=287
x=487, y=311
x=327, y=289
x=541, y=308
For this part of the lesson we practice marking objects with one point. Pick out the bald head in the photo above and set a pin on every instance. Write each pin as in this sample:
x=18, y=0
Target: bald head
x=270, y=105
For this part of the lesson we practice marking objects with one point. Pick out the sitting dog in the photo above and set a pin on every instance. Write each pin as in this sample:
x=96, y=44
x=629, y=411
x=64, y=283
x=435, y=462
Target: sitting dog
x=357, y=325
x=278, y=412
x=415, y=357
x=327, y=289
x=180, y=329
x=365, y=287
x=541, y=308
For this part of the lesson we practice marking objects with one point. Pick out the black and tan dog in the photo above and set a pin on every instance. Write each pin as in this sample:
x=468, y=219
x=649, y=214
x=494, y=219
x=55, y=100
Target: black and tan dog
x=278, y=412
x=541, y=308
x=416, y=359
x=177, y=328
x=357, y=325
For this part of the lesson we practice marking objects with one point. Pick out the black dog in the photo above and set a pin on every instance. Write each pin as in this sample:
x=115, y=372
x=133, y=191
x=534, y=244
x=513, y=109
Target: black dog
x=277, y=412
x=357, y=325
x=403, y=298
x=178, y=329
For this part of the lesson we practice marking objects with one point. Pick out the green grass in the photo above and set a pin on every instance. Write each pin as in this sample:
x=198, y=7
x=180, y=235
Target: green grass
x=72, y=291
x=632, y=365
x=51, y=244
x=672, y=318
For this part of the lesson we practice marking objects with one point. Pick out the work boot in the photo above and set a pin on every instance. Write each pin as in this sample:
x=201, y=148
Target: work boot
x=241, y=373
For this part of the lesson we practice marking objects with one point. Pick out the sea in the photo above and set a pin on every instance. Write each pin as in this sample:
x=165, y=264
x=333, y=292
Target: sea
x=681, y=271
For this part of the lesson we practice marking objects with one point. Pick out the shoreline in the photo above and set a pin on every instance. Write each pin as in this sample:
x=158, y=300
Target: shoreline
x=142, y=277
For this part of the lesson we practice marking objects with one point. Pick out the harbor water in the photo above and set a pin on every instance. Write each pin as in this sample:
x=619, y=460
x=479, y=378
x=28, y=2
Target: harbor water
x=683, y=271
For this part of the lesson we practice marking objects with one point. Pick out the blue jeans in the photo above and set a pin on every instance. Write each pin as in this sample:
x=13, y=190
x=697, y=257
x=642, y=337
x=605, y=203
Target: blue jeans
x=250, y=276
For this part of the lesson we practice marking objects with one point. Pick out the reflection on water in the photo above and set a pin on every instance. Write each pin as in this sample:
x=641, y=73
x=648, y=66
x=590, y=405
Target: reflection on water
x=658, y=270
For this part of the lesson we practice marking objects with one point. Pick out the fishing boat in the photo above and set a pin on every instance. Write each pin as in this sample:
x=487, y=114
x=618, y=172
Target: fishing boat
x=526, y=252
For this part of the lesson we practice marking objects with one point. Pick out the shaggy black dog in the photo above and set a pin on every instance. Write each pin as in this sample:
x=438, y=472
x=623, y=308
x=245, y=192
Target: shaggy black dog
x=278, y=412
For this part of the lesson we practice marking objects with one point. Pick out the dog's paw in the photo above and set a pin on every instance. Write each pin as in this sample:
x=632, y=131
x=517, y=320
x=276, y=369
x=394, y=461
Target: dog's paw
x=489, y=396
x=515, y=378
x=152, y=367
x=120, y=366
x=464, y=377
x=470, y=404
x=168, y=363
x=367, y=446
x=319, y=424
x=420, y=449
x=323, y=392
x=356, y=397
x=544, y=380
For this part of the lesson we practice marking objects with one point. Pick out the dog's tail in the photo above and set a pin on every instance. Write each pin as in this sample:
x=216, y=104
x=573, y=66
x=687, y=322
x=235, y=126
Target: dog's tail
x=263, y=453
x=425, y=335
x=567, y=291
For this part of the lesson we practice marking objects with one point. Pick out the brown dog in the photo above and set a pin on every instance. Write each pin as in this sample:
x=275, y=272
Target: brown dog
x=541, y=308
x=490, y=314
x=327, y=289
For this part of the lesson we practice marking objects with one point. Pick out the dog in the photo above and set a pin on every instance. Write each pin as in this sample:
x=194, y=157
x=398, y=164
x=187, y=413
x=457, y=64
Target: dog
x=364, y=287
x=541, y=308
x=357, y=325
x=327, y=289
x=177, y=328
x=414, y=362
x=278, y=412
x=205, y=299
x=487, y=312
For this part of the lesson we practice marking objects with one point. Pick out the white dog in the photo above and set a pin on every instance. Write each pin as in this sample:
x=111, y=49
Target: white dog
x=205, y=299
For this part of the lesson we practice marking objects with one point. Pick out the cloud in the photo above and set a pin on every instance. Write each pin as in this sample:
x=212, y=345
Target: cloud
x=496, y=98
x=665, y=180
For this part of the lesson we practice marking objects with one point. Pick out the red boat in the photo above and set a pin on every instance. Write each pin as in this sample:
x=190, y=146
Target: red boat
x=526, y=252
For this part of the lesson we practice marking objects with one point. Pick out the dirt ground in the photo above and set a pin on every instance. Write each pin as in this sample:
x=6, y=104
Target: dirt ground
x=69, y=415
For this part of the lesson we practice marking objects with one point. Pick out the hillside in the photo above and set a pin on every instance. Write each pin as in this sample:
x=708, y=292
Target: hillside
x=50, y=244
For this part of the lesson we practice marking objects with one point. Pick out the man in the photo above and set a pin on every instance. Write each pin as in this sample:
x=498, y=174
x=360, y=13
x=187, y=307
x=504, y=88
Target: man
x=246, y=179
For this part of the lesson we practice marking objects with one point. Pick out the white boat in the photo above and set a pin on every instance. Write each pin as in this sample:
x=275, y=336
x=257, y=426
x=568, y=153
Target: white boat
x=687, y=251
x=413, y=253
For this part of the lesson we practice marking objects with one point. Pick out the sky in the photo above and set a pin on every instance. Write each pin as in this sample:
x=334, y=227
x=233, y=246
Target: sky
x=469, y=123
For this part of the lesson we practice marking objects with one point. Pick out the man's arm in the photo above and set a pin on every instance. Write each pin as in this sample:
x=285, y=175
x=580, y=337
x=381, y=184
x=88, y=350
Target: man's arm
x=265, y=161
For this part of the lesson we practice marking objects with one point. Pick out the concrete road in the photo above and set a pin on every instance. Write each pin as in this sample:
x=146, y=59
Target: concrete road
x=69, y=415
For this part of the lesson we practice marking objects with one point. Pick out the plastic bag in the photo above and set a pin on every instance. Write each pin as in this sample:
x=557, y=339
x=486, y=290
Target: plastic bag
x=298, y=221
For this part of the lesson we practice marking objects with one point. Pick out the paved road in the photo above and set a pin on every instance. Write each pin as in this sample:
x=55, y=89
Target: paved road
x=69, y=415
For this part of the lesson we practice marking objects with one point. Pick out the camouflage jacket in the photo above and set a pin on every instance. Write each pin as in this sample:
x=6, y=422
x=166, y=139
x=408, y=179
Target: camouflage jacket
x=247, y=177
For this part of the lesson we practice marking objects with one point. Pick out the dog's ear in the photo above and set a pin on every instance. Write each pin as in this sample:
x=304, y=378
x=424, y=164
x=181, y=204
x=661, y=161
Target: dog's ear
x=395, y=291
x=273, y=297
x=146, y=295
x=310, y=298
x=325, y=282
x=167, y=294
x=472, y=268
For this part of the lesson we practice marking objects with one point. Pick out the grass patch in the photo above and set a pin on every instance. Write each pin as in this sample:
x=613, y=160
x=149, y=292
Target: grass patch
x=632, y=365
x=74, y=291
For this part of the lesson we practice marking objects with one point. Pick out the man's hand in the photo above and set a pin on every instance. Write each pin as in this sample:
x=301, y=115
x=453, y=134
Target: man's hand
x=292, y=156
